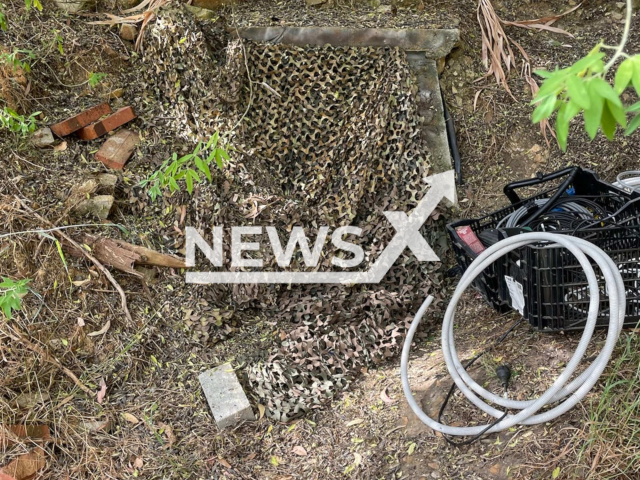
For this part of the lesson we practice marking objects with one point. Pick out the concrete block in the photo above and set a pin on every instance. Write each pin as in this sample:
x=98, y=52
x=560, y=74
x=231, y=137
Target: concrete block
x=227, y=401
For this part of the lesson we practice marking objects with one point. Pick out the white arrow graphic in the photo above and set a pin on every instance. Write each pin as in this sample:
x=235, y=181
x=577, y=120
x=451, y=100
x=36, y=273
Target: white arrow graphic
x=407, y=235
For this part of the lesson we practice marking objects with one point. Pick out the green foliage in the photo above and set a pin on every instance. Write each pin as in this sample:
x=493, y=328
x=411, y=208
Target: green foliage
x=57, y=38
x=11, y=120
x=186, y=168
x=96, y=78
x=29, y=4
x=581, y=88
x=16, y=59
x=3, y=19
x=11, y=293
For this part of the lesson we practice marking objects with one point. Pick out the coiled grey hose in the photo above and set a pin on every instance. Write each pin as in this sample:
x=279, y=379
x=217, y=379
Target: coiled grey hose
x=513, y=219
x=568, y=394
x=629, y=179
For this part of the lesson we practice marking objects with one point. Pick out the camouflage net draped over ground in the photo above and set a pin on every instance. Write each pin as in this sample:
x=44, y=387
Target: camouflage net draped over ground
x=333, y=138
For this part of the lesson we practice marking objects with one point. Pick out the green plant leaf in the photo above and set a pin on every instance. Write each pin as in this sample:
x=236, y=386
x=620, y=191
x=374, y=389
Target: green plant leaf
x=605, y=90
x=623, y=75
x=593, y=114
x=189, y=184
x=578, y=91
x=608, y=122
x=543, y=110
x=635, y=79
x=562, y=127
x=633, y=108
x=544, y=73
x=633, y=125
x=618, y=114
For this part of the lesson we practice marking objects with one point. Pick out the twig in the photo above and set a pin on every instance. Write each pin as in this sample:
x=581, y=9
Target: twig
x=19, y=337
x=59, y=228
x=625, y=36
x=100, y=266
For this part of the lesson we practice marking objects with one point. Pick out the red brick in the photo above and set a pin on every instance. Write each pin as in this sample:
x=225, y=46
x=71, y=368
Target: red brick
x=75, y=123
x=108, y=124
x=115, y=152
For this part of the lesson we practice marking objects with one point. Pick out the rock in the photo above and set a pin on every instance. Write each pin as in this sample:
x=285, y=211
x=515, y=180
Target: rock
x=73, y=6
x=117, y=93
x=227, y=400
x=213, y=4
x=43, y=138
x=202, y=13
x=149, y=274
x=107, y=182
x=99, y=206
x=128, y=32
x=30, y=400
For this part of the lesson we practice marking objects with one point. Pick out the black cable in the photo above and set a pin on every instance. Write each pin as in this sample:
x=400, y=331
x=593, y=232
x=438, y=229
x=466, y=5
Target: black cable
x=617, y=212
x=453, y=388
x=453, y=143
x=554, y=198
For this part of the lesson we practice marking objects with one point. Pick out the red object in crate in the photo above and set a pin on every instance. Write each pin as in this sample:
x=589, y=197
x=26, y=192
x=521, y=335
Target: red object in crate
x=468, y=236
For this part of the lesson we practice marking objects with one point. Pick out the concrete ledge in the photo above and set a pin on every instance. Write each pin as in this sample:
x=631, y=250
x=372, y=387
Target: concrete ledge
x=434, y=43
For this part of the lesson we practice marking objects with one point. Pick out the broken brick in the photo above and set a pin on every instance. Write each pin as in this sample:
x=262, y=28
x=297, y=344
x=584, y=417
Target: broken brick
x=108, y=124
x=75, y=123
x=115, y=152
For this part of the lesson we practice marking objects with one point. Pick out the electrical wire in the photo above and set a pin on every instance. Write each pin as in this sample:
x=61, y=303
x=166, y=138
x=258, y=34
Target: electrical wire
x=564, y=392
x=629, y=179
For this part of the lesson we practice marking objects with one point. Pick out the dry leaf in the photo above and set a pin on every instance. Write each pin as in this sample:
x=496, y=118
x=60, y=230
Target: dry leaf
x=357, y=421
x=168, y=431
x=138, y=463
x=80, y=283
x=251, y=456
x=81, y=322
x=130, y=418
x=61, y=147
x=26, y=467
x=385, y=398
x=224, y=463
x=103, y=391
x=102, y=331
x=298, y=450
x=261, y=410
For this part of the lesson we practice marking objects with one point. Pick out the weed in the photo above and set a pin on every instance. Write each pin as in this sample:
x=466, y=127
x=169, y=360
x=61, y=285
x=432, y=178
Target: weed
x=14, y=60
x=3, y=18
x=96, y=78
x=11, y=120
x=175, y=169
x=11, y=293
x=29, y=4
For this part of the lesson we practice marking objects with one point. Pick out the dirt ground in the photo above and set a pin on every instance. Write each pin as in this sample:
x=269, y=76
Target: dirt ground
x=154, y=421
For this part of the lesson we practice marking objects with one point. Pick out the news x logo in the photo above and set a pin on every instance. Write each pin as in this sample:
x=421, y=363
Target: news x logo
x=407, y=235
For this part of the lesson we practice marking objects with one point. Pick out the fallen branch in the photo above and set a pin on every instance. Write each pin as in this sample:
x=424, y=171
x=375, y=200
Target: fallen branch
x=97, y=263
x=124, y=256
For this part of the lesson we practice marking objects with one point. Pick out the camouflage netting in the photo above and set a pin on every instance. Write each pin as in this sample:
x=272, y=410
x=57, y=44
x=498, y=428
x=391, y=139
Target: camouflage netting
x=329, y=136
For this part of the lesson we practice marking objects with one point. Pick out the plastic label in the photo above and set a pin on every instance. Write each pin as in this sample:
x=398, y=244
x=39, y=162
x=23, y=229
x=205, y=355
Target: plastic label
x=516, y=292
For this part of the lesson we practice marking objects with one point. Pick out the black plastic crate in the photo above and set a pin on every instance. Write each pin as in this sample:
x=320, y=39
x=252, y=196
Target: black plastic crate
x=549, y=280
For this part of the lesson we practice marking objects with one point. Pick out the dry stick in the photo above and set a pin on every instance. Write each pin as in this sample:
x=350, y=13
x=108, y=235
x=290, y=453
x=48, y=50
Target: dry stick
x=19, y=337
x=100, y=266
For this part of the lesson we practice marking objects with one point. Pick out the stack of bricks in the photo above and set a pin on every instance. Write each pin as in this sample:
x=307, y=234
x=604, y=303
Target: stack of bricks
x=98, y=121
